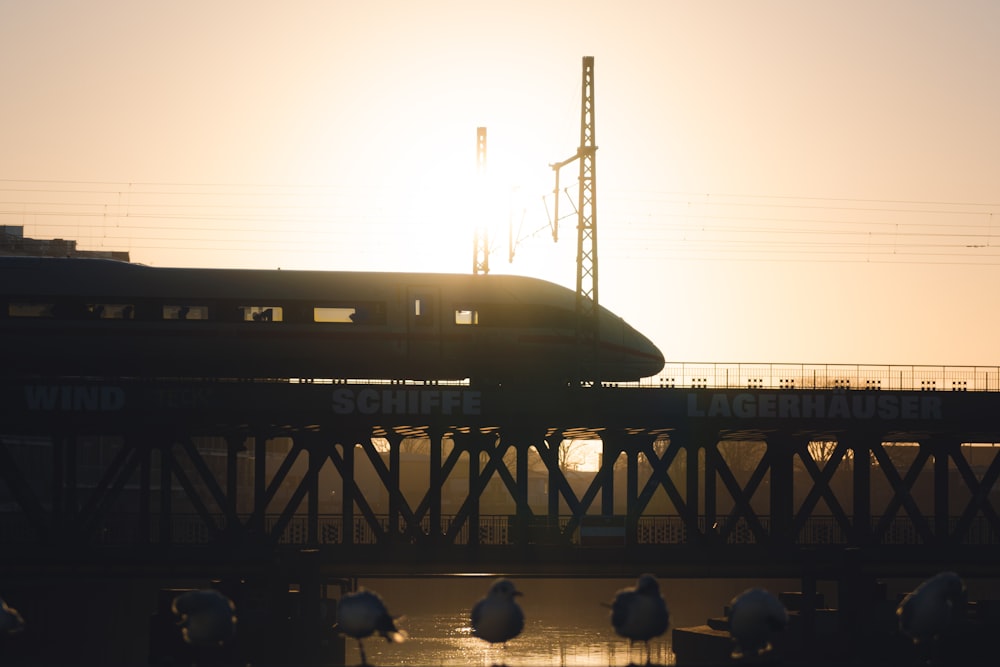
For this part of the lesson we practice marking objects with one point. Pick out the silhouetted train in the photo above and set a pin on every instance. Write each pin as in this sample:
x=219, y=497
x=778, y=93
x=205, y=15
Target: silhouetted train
x=95, y=317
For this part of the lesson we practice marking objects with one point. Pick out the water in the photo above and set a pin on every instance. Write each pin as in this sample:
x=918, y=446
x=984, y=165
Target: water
x=566, y=624
x=445, y=640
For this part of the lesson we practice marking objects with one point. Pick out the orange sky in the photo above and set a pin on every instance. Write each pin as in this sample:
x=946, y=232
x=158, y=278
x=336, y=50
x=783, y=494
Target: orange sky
x=777, y=181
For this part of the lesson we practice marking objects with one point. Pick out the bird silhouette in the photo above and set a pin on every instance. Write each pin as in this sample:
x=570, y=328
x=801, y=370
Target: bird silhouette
x=928, y=611
x=639, y=613
x=362, y=614
x=207, y=617
x=754, y=616
x=11, y=621
x=497, y=618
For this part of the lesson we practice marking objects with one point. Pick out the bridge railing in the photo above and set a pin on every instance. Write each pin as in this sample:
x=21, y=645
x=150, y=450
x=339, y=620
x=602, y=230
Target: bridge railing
x=688, y=375
x=503, y=529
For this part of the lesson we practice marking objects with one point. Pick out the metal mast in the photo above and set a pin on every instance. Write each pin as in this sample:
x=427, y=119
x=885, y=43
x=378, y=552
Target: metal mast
x=481, y=238
x=586, y=228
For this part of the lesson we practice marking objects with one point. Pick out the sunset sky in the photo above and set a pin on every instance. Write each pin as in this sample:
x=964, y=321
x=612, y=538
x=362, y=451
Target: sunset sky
x=777, y=181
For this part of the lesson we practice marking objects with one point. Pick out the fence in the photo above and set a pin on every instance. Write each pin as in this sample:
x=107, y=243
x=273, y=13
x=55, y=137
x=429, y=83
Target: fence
x=826, y=376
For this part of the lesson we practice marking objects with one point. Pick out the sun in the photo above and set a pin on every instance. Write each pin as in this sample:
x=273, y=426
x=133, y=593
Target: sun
x=438, y=197
x=412, y=156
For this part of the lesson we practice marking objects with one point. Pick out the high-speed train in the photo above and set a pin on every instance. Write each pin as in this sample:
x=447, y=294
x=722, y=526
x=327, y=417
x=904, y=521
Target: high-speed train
x=96, y=317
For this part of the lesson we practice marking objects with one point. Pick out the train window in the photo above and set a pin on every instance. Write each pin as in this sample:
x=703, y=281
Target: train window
x=342, y=314
x=185, y=312
x=361, y=313
x=261, y=313
x=423, y=311
x=466, y=316
x=31, y=309
x=110, y=311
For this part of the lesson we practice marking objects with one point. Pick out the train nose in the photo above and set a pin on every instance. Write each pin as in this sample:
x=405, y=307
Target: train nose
x=626, y=354
x=641, y=355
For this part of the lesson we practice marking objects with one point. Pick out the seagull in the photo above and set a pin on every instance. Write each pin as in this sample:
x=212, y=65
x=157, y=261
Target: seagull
x=497, y=618
x=754, y=615
x=362, y=614
x=11, y=622
x=639, y=612
x=929, y=609
x=207, y=617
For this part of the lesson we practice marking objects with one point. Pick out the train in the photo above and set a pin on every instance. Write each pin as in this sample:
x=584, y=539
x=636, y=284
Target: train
x=86, y=317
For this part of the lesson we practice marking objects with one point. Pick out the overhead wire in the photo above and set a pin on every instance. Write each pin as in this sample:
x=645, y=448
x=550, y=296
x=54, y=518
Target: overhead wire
x=669, y=225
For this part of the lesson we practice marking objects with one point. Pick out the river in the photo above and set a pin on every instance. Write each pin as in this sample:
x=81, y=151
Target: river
x=446, y=640
x=566, y=624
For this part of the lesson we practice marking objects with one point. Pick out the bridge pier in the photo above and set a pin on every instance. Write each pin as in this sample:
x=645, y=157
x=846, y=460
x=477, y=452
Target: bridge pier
x=282, y=618
x=318, y=642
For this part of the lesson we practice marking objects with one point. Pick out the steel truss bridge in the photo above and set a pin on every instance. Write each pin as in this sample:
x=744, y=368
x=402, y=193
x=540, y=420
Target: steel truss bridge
x=401, y=479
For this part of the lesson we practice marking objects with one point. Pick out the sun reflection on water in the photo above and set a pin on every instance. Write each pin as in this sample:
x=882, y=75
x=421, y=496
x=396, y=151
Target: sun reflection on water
x=446, y=640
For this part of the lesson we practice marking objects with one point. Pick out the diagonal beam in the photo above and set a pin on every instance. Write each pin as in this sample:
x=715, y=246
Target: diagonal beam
x=494, y=462
x=22, y=492
x=604, y=474
x=740, y=497
x=89, y=521
x=901, y=492
x=412, y=526
x=549, y=454
x=660, y=477
x=192, y=494
x=288, y=513
x=446, y=468
x=347, y=477
x=496, y=455
x=260, y=510
x=111, y=473
x=210, y=481
x=980, y=491
x=821, y=487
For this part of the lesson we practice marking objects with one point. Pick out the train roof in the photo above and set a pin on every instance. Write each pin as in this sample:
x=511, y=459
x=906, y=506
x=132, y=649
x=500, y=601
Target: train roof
x=40, y=276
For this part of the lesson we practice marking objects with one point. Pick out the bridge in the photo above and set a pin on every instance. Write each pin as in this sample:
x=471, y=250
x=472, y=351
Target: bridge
x=282, y=490
x=707, y=470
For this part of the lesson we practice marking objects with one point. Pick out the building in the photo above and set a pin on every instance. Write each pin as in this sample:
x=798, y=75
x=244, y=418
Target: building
x=14, y=242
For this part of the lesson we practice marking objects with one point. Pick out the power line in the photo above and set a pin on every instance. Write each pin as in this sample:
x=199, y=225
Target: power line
x=667, y=225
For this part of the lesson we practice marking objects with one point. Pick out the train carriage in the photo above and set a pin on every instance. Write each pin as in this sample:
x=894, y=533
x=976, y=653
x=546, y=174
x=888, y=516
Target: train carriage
x=96, y=317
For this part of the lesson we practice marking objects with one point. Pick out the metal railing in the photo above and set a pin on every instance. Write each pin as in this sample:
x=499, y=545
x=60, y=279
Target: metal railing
x=503, y=529
x=711, y=375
